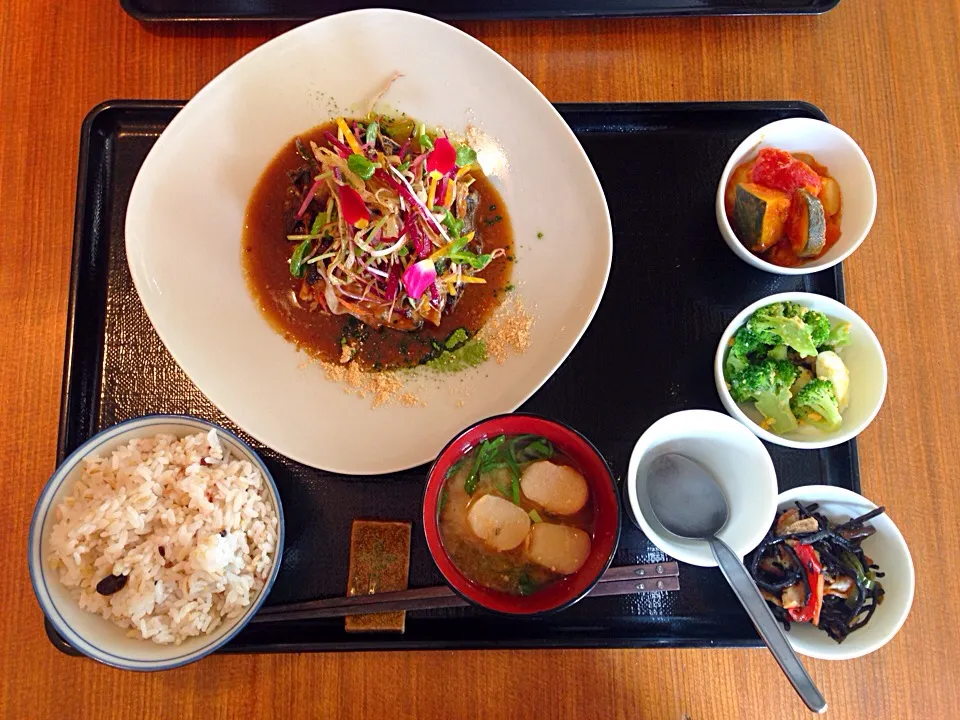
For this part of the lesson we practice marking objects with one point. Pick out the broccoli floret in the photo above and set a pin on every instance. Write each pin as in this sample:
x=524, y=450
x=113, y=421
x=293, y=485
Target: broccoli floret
x=778, y=352
x=819, y=326
x=774, y=327
x=768, y=384
x=838, y=337
x=792, y=309
x=816, y=404
x=744, y=343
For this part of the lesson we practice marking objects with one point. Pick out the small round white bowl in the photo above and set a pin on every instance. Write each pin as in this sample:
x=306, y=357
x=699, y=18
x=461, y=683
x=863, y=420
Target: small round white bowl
x=736, y=458
x=91, y=634
x=831, y=147
x=886, y=548
x=863, y=357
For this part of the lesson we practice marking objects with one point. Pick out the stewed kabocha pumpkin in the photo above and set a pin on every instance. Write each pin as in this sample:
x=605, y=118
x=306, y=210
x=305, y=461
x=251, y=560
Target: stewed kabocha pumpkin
x=784, y=207
x=807, y=225
x=759, y=215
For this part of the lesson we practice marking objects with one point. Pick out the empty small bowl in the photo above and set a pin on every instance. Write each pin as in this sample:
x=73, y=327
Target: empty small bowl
x=886, y=548
x=91, y=634
x=603, y=494
x=831, y=147
x=737, y=460
x=863, y=357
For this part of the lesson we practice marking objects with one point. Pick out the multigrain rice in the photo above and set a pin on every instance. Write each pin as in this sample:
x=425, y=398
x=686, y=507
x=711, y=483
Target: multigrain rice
x=192, y=529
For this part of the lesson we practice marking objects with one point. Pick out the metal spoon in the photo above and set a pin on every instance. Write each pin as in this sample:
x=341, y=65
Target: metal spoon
x=688, y=502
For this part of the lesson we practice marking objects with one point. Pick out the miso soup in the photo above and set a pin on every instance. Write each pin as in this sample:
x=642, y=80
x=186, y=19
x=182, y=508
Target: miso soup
x=515, y=514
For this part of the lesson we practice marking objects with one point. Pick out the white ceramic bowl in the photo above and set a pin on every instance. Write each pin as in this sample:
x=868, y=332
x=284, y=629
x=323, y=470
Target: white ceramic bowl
x=736, y=458
x=831, y=147
x=91, y=634
x=863, y=356
x=886, y=548
x=185, y=220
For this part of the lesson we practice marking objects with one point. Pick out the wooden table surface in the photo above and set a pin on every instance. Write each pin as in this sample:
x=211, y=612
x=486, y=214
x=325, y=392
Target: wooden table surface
x=888, y=72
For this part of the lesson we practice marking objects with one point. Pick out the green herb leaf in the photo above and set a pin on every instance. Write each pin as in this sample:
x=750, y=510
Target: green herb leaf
x=465, y=156
x=538, y=450
x=452, y=223
x=361, y=167
x=425, y=142
x=402, y=252
x=318, y=222
x=372, y=130
x=473, y=479
x=535, y=516
x=477, y=262
x=404, y=166
x=297, y=259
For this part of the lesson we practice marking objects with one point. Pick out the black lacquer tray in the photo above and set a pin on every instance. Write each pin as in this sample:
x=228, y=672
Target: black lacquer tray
x=673, y=287
x=186, y=10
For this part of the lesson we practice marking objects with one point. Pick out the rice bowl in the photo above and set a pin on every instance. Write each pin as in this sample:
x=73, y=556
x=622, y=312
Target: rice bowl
x=168, y=527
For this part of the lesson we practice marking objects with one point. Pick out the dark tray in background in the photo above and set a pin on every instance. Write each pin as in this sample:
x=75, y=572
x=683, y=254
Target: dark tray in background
x=649, y=351
x=185, y=10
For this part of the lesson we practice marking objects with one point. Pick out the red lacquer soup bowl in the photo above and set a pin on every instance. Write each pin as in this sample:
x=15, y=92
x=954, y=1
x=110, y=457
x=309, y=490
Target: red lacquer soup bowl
x=603, y=495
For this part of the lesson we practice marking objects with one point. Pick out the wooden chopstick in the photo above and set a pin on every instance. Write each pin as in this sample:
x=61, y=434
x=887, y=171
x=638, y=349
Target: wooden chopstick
x=621, y=580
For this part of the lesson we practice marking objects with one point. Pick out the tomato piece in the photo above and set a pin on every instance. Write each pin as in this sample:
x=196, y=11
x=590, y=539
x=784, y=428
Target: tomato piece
x=779, y=169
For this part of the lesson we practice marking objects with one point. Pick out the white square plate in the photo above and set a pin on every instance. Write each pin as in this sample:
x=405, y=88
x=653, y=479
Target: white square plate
x=185, y=221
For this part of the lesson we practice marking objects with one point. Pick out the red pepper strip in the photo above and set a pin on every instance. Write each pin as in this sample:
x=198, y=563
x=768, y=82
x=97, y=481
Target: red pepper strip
x=443, y=157
x=342, y=149
x=811, y=564
x=353, y=207
x=308, y=198
x=393, y=282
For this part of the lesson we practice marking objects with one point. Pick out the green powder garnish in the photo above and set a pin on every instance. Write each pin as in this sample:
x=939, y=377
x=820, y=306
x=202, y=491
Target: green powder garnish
x=470, y=354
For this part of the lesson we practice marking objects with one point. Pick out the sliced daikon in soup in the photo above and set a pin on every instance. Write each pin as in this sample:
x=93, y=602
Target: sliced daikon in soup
x=560, y=548
x=558, y=489
x=498, y=522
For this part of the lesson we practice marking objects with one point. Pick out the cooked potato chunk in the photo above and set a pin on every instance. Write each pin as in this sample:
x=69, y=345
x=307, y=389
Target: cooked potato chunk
x=499, y=523
x=558, y=489
x=831, y=367
x=560, y=548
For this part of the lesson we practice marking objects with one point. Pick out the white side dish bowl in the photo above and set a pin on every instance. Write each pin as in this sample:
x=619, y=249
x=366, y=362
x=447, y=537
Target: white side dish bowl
x=737, y=460
x=185, y=222
x=886, y=548
x=831, y=147
x=863, y=357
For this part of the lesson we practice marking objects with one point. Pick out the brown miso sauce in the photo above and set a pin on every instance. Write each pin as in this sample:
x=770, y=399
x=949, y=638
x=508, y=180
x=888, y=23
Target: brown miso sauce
x=265, y=258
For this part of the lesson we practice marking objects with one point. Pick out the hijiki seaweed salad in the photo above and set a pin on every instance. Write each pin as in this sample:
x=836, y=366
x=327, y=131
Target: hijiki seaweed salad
x=377, y=240
x=812, y=570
